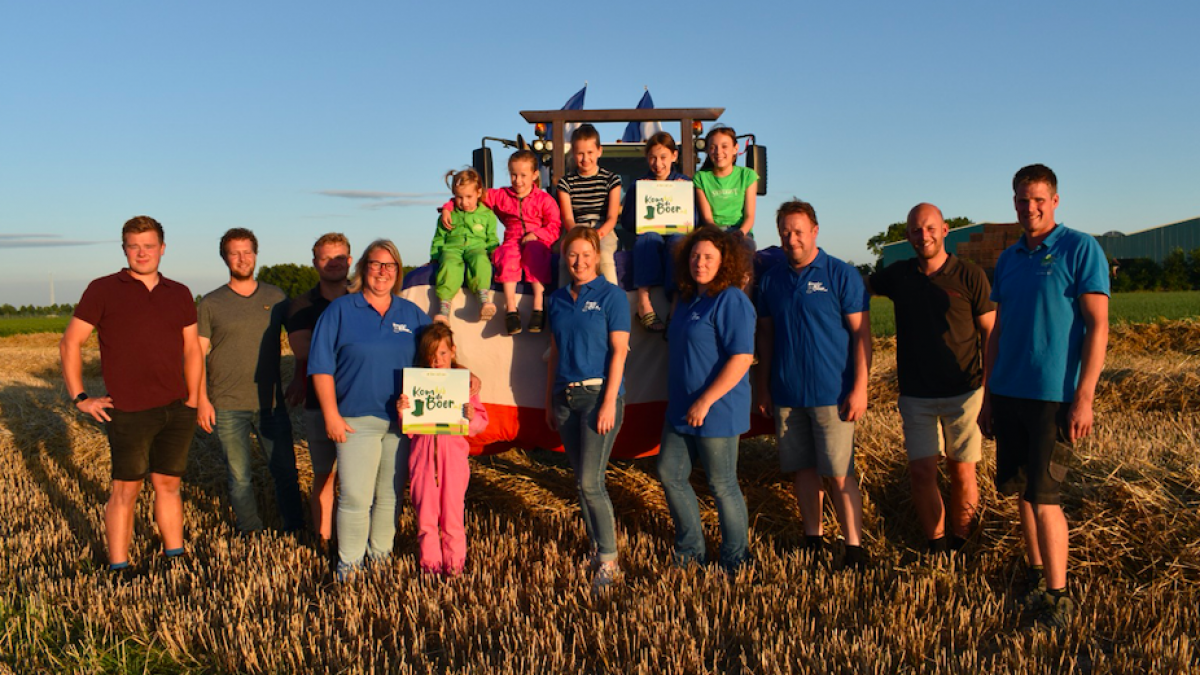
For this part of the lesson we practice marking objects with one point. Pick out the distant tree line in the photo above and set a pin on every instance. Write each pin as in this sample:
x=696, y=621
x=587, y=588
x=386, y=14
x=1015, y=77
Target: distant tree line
x=7, y=310
x=1179, y=271
x=295, y=280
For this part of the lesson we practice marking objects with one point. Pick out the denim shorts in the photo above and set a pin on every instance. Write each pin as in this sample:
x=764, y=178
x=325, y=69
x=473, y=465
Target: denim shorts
x=150, y=441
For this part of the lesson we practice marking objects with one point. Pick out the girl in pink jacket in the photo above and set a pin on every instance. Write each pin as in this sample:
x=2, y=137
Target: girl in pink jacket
x=439, y=470
x=531, y=226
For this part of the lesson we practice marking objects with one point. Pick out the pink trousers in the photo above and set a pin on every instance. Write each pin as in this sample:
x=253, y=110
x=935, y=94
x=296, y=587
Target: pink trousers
x=512, y=258
x=438, y=473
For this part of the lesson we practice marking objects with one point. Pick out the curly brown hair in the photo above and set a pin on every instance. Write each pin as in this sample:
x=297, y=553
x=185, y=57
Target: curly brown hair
x=736, y=264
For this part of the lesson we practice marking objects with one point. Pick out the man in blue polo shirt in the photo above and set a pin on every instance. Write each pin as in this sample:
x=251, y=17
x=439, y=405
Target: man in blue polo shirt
x=1043, y=362
x=816, y=311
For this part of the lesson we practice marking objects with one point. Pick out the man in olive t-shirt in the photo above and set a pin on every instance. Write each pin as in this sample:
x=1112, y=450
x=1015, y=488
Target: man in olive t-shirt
x=240, y=325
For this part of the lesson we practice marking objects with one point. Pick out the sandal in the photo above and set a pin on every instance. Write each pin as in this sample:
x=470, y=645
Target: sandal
x=651, y=322
x=487, y=311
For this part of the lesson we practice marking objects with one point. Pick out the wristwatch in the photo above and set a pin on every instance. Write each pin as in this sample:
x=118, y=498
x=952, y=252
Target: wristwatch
x=81, y=397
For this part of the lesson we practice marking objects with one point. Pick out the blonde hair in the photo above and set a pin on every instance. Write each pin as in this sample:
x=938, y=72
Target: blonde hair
x=360, y=267
x=468, y=176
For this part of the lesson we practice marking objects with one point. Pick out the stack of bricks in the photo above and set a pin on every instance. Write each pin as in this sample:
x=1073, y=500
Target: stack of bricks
x=984, y=248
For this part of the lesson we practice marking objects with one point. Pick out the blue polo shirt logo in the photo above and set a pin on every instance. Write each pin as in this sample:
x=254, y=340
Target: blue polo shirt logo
x=694, y=317
x=816, y=287
x=401, y=328
x=591, y=306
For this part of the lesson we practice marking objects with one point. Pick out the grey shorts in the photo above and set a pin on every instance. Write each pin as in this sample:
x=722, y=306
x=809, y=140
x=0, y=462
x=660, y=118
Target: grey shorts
x=815, y=438
x=949, y=426
x=321, y=449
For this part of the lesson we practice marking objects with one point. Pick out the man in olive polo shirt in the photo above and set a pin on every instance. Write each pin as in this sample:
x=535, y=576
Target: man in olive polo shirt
x=943, y=321
x=151, y=363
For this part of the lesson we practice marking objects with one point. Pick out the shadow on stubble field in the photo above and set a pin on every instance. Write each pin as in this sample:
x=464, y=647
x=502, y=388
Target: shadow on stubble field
x=266, y=604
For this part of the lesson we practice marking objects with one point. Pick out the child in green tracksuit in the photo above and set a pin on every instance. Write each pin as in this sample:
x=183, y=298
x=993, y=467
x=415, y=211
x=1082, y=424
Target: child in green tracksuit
x=465, y=245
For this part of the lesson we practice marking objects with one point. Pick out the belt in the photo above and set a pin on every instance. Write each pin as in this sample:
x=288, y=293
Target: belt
x=591, y=382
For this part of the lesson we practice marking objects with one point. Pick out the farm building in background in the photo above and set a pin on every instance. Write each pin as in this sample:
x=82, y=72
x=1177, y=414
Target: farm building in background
x=982, y=243
x=1155, y=243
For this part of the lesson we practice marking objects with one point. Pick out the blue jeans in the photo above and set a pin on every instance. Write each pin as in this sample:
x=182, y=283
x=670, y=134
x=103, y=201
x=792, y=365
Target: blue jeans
x=654, y=261
x=274, y=431
x=719, y=458
x=372, y=469
x=576, y=410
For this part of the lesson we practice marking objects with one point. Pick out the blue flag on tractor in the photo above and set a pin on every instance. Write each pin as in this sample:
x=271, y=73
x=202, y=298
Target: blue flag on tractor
x=573, y=103
x=637, y=132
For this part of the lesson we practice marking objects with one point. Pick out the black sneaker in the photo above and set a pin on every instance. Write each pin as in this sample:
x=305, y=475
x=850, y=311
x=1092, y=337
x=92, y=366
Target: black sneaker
x=1055, y=611
x=537, y=321
x=1035, y=595
x=512, y=323
x=856, y=558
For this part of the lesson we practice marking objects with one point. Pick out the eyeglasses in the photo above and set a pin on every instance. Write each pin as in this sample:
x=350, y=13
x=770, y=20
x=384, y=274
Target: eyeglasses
x=376, y=265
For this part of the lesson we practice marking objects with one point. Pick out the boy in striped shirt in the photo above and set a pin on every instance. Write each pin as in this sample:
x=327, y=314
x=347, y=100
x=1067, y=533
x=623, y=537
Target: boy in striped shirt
x=590, y=196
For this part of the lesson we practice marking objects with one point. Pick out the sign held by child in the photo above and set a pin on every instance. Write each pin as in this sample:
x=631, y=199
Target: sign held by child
x=664, y=206
x=437, y=397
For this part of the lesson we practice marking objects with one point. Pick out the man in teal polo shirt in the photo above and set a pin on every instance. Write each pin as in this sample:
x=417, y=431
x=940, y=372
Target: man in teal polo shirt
x=1043, y=362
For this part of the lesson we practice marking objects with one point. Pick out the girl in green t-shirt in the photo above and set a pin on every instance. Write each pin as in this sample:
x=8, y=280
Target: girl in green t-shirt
x=725, y=193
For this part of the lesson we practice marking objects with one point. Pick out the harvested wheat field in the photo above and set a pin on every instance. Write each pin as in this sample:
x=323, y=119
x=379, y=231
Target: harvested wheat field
x=267, y=604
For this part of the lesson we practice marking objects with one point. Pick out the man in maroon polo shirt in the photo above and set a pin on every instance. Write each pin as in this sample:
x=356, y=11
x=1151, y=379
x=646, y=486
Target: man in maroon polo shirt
x=151, y=362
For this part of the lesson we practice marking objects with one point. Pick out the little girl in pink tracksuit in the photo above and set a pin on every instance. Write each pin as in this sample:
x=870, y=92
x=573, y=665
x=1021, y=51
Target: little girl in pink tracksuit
x=439, y=470
x=532, y=223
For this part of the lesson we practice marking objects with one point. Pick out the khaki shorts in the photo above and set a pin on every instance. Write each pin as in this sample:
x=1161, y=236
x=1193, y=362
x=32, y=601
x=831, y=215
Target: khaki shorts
x=815, y=438
x=949, y=426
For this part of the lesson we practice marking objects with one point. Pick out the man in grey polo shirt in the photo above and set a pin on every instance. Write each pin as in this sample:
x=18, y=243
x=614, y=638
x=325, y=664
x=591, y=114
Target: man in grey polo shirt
x=943, y=321
x=240, y=325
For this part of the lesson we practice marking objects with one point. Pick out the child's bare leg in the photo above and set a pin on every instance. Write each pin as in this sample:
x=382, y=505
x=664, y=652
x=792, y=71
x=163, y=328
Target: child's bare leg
x=510, y=296
x=643, y=297
x=539, y=291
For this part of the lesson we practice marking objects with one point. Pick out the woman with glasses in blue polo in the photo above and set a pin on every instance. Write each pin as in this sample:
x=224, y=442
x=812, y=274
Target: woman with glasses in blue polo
x=708, y=392
x=360, y=346
x=585, y=390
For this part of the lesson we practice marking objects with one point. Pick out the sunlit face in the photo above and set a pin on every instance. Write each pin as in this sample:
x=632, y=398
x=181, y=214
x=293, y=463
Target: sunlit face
x=660, y=159
x=240, y=258
x=1035, y=204
x=927, y=232
x=723, y=151
x=332, y=262
x=143, y=251
x=523, y=175
x=467, y=196
x=581, y=260
x=443, y=356
x=587, y=155
x=798, y=239
x=704, y=263
x=382, y=269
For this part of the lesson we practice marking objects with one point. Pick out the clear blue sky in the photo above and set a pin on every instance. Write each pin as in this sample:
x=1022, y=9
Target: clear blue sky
x=219, y=114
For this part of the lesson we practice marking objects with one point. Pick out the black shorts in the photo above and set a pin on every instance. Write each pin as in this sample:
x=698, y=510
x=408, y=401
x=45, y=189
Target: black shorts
x=150, y=441
x=1032, y=447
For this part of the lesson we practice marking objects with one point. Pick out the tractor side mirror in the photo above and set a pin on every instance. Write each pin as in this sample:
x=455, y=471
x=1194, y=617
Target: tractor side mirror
x=756, y=158
x=481, y=159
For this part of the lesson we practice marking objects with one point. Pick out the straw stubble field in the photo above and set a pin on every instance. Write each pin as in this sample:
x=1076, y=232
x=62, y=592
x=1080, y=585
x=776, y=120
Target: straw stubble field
x=267, y=605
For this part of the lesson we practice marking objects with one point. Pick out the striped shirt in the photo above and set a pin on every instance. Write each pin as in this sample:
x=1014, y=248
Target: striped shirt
x=589, y=195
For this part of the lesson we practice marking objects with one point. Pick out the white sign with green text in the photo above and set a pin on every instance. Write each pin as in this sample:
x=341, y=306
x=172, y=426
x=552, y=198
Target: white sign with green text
x=437, y=398
x=664, y=206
